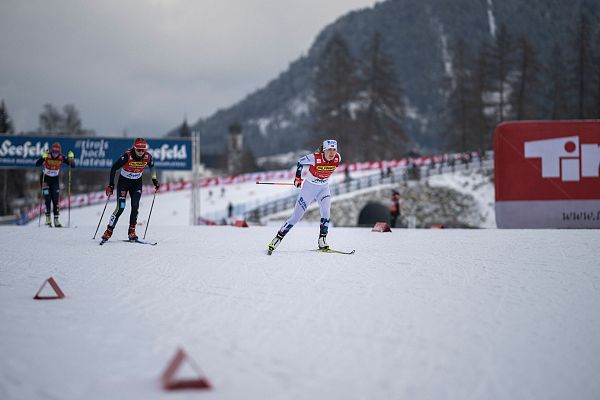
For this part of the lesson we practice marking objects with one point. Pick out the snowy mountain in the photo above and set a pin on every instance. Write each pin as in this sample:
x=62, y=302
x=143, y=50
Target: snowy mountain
x=420, y=37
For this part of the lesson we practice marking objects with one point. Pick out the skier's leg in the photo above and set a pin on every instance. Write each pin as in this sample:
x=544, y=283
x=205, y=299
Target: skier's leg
x=121, y=201
x=305, y=198
x=55, y=195
x=114, y=217
x=136, y=193
x=324, y=199
x=47, y=197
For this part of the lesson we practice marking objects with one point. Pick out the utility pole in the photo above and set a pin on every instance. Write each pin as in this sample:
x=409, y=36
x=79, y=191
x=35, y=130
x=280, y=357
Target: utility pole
x=195, y=198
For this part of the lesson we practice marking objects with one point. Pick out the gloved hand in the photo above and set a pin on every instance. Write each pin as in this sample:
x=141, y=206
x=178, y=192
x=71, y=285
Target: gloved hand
x=297, y=182
x=156, y=184
x=109, y=189
x=70, y=155
x=44, y=154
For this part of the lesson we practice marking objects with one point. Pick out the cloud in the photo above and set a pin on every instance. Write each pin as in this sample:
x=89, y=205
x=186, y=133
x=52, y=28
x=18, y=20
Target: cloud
x=140, y=65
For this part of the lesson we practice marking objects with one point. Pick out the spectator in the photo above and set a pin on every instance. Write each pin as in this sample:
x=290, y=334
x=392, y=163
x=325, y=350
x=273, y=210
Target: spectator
x=395, y=208
x=347, y=177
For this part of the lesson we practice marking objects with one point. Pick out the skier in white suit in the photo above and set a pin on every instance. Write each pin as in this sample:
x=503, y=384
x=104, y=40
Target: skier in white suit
x=316, y=187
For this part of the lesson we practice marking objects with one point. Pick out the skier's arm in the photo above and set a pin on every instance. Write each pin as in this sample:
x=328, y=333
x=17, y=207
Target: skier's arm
x=69, y=159
x=308, y=159
x=116, y=165
x=40, y=160
x=153, y=174
x=299, y=170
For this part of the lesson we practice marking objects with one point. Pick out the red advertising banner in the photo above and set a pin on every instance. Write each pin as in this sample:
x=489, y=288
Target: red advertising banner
x=547, y=174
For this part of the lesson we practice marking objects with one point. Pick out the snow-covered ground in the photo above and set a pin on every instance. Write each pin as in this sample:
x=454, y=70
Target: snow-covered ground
x=414, y=314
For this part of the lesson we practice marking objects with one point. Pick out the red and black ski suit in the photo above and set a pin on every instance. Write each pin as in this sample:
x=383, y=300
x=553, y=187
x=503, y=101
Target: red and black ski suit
x=130, y=182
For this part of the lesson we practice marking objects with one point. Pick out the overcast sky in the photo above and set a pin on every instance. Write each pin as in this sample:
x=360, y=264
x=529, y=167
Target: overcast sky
x=141, y=65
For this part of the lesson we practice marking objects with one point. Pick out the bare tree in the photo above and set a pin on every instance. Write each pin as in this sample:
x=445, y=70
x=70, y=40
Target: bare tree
x=55, y=123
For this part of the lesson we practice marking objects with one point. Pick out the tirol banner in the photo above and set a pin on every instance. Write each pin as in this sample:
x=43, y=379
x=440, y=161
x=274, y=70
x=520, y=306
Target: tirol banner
x=92, y=152
x=547, y=174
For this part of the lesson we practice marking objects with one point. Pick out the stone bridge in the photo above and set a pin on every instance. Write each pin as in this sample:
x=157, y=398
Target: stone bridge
x=428, y=205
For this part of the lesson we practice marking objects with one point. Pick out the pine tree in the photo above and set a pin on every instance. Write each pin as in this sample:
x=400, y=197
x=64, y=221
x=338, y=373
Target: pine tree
x=482, y=122
x=524, y=96
x=458, y=102
x=184, y=129
x=557, y=86
x=595, y=111
x=382, y=109
x=335, y=94
x=469, y=124
x=501, y=63
x=586, y=67
x=11, y=181
x=6, y=125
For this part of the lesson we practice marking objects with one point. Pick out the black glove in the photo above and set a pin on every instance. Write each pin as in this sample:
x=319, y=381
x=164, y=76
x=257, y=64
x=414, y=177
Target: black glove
x=109, y=189
x=156, y=184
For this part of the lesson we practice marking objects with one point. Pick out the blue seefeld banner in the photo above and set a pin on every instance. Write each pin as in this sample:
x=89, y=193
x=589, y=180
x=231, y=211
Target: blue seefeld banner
x=93, y=152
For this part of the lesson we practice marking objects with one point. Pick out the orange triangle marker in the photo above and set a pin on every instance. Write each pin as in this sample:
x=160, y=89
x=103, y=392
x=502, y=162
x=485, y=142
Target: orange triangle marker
x=168, y=377
x=54, y=285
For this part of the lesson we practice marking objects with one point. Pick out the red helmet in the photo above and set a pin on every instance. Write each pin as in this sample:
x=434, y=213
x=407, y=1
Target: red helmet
x=140, y=144
x=55, y=148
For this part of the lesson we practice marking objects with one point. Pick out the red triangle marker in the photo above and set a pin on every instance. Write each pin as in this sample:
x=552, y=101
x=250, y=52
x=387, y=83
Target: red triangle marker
x=54, y=285
x=240, y=223
x=381, y=227
x=169, y=381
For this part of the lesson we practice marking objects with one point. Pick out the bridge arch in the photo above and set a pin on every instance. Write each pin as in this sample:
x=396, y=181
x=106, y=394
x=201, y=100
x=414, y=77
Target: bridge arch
x=371, y=213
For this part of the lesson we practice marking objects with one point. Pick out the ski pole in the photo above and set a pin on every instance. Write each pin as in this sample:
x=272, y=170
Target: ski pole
x=275, y=183
x=41, y=201
x=149, y=215
x=69, y=198
x=102, y=216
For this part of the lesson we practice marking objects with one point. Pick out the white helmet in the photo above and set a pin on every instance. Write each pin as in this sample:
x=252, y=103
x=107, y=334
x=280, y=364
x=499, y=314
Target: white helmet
x=330, y=144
